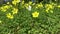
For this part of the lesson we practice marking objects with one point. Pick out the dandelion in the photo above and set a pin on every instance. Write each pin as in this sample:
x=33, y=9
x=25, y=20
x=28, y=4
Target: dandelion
x=35, y=14
x=8, y=15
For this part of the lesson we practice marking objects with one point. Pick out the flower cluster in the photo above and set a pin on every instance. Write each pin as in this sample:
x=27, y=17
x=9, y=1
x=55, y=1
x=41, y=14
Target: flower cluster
x=15, y=2
x=9, y=15
x=4, y=8
x=15, y=11
x=49, y=7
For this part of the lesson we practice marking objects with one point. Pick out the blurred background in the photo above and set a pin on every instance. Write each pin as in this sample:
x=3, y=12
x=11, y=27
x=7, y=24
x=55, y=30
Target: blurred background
x=36, y=1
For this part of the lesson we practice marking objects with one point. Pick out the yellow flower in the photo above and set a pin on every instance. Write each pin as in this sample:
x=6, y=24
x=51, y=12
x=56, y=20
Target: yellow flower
x=0, y=21
x=15, y=11
x=40, y=5
x=9, y=16
x=35, y=14
x=15, y=2
x=7, y=2
x=22, y=2
x=26, y=6
x=58, y=6
x=47, y=10
x=4, y=8
x=49, y=6
x=30, y=3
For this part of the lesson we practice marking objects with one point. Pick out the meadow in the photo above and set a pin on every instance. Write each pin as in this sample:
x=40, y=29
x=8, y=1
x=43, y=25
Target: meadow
x=29, y=18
